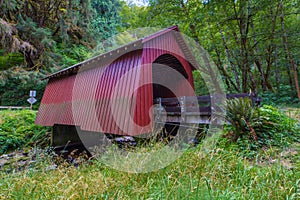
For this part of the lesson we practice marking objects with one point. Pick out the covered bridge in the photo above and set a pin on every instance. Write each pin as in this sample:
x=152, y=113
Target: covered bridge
x=114, y=92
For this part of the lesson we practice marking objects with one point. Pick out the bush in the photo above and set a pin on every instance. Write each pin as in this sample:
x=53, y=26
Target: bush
x=15, y=85
x=284, y=95
x=242, y=116
x=17, y=129
x=276, y=128
x=252, y=128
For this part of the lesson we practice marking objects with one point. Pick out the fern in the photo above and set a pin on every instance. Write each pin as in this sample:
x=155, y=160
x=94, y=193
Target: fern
x=242, y=116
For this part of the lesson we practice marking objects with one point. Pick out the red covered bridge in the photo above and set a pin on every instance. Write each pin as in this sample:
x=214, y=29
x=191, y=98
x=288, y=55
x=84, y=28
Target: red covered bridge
x=114, y=92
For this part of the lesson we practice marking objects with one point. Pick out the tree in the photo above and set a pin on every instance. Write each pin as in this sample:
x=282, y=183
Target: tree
x=289, y=57
x=50, y=35
x=38, y=28
x=245, y=38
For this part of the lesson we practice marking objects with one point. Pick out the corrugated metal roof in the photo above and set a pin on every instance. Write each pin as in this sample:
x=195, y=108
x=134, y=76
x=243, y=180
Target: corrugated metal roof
x=113, y=92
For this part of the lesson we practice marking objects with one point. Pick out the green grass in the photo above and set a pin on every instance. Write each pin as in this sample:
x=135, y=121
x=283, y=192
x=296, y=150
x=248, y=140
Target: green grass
x=220, y=173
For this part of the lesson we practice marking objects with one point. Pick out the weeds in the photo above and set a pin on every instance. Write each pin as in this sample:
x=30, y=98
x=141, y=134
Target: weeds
x=222, y=172
x=217, y=174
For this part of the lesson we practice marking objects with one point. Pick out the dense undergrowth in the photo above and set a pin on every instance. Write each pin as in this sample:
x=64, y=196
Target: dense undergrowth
x=253, y=128
x=17, y=130
x=283, y=96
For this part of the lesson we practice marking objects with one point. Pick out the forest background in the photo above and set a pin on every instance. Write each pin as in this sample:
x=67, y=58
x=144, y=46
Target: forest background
x=254, y=43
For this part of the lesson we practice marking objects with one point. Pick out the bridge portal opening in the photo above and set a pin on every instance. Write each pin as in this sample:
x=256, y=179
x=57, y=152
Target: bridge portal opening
x=167, y=75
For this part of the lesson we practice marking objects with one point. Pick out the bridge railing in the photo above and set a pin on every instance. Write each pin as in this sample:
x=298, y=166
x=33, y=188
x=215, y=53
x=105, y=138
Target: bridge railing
x=193, y=108
x=13, y=107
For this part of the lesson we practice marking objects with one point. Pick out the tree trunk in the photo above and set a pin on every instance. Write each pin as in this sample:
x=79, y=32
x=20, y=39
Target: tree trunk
x=229, y=57
x=256, y=60
x=271, y=46
x=288, y=53
x=253, y=85
x=244, y=19
x=277, y=75
x=29, y=62
x=223, y=70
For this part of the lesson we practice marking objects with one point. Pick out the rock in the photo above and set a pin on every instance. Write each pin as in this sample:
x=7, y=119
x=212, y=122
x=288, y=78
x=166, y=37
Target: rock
x=11, y=155
x=25, y=153
x=3, y=162
x=51, y=167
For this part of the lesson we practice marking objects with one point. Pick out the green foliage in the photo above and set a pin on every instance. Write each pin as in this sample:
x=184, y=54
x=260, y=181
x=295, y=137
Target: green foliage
x=72, y=55
x=244, y=38
x=242, y=117
x=106, y=18
x=44, y=36
x=17, y=129
x=253, y=128
x=199, y=83
x=133, y=16
x=39, y=36
x=15, y=85
x=276, y=128
x=284, y=95
x=9, y=60
x=67, y=24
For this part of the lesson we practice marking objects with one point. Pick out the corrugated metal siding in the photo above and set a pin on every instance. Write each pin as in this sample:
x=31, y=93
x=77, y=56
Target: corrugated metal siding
x=96, y=99
x=116, y=97
x=153, y=49
x=56, y=102
x=167, y=44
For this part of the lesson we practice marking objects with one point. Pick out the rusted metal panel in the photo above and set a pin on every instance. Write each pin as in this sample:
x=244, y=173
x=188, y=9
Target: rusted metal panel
x=112, y=93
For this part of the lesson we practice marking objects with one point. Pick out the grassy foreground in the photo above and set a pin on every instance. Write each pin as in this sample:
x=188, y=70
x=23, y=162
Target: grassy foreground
x=217, y=174
x=223, y=172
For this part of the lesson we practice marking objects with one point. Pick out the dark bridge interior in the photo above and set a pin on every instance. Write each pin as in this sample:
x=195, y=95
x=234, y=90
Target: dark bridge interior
x=160, y=74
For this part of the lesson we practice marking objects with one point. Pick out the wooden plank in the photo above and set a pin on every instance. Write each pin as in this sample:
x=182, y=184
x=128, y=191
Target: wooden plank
x=189, y=109
x=191, y=119
x=189, y=113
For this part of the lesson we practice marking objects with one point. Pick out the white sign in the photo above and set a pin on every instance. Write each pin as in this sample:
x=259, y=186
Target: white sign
x=32, y=93
x=31, y=100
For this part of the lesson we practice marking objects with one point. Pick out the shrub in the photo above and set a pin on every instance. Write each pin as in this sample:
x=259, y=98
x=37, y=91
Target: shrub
x=283, y=95
x=252, y=128
x=276, y=128
x=15, y=85
x=17, y=129
x=242, y=117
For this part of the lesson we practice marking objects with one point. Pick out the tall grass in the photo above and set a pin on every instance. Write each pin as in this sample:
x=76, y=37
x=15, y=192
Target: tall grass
x=220, y=173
